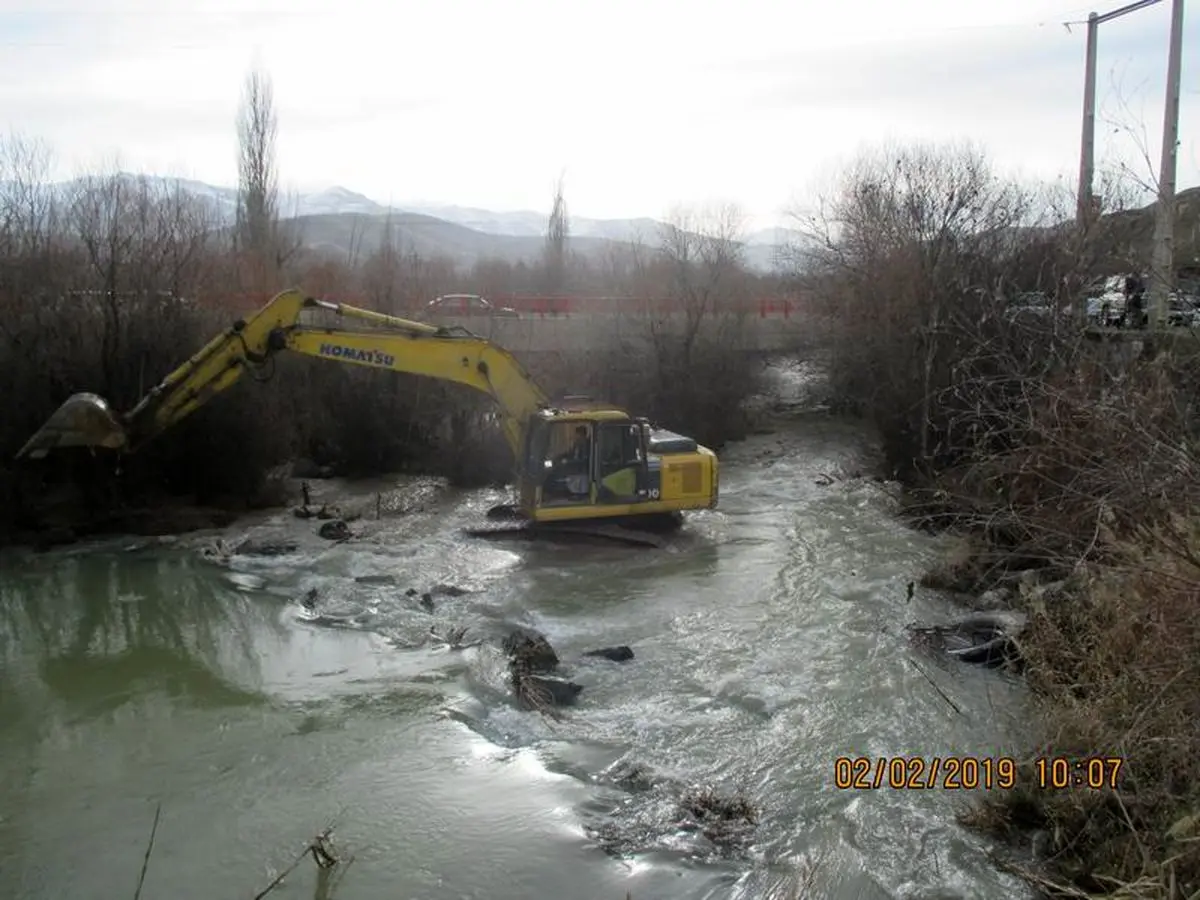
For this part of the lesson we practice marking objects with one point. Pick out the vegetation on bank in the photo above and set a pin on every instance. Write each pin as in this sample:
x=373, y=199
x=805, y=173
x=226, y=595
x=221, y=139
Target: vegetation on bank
x=110, y=286
x=1054, y=457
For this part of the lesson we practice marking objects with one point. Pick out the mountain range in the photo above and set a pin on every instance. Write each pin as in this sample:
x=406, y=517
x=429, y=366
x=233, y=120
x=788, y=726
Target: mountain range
x=339, y=220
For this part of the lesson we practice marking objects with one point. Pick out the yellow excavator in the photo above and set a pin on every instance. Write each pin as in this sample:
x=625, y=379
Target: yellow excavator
x=581, y=467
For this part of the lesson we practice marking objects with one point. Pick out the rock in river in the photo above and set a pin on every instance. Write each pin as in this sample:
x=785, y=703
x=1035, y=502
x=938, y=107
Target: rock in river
x=337, y=530
x=531, y=649
x=616, y=654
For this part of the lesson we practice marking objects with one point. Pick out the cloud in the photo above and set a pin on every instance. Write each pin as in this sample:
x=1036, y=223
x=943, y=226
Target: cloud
x=642, y=103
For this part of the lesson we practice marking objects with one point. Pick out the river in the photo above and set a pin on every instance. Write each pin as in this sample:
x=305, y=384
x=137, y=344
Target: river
x=768, y=640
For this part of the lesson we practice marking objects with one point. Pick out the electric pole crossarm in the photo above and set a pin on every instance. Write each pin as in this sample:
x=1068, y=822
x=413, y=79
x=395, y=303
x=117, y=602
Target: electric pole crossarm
x=1132, y=7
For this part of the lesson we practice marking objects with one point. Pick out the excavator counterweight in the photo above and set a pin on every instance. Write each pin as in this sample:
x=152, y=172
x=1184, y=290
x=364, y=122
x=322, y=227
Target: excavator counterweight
x=579, y=464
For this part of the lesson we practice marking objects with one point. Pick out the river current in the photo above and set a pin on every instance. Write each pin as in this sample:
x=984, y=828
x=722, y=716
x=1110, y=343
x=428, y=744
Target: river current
x=768, y=639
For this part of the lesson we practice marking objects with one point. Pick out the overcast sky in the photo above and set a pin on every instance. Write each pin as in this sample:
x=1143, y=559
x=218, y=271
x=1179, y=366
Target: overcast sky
x=642, y=105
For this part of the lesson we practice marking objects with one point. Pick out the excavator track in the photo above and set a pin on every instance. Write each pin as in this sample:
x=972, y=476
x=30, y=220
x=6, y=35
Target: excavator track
x=572, y=532
x=641, y=531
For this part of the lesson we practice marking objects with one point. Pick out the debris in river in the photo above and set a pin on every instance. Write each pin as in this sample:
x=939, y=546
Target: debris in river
x=541, y=692
x=725, y=819
x=427, y=602
x=616, y=654
x=454, y=638
x=529, y=655
x=988, y=639
x=218, y=551
x=325, y=855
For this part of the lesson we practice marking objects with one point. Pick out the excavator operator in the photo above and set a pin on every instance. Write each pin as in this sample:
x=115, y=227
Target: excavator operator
x=580, y=447
x=573, y=467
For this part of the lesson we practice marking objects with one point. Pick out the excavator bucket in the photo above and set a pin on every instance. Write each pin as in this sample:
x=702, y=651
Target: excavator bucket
x=84, y=420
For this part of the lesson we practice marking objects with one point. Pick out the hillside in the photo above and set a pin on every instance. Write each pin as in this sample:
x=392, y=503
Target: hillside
x=347, y=234
x=1130, y=233
x=340, y=221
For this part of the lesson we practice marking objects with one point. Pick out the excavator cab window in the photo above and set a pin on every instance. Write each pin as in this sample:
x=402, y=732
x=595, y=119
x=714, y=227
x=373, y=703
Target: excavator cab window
x=620, y=462
x=566, y=461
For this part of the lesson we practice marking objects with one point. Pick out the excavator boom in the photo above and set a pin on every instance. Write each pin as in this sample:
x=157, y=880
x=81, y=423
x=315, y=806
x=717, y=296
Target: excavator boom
x=394, y=343
x=575, y=462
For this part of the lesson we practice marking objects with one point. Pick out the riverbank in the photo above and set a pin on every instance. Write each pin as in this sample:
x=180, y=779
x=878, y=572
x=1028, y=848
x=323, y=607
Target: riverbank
x=1110, y=658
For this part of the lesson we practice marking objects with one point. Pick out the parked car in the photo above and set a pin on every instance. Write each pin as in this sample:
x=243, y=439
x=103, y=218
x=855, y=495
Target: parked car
x=1032, y=307
x=1029, y=303
x=1105, y=301
x=1183, y=311
x=461, y=305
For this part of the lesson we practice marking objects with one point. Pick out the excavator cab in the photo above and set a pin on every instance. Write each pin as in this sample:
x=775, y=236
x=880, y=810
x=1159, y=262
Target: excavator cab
x=611, y=463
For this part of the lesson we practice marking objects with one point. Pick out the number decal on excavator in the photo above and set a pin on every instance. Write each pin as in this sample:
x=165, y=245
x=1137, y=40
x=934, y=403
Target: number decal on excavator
x=653, y=493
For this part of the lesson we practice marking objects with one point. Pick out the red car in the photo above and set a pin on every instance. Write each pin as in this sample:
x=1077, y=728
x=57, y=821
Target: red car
x=463, y=305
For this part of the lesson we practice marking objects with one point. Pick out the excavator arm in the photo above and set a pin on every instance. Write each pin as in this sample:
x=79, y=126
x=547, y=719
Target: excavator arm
x=248, y=346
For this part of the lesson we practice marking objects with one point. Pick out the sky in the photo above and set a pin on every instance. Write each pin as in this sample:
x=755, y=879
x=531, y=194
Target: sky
x=640, y=106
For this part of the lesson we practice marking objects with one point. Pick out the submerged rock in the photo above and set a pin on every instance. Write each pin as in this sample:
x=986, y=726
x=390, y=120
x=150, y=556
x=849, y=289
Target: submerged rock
x=616, y=654
x=448, y=590
x=337, y=530
x=376, y=579
x=253, y=547
x=531, y=650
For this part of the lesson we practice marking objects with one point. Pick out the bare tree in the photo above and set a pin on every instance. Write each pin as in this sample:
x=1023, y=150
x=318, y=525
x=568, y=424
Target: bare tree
x=705, y=270
x=555, y=255
x=258, y=187
x=912, y=253
x=382, y=269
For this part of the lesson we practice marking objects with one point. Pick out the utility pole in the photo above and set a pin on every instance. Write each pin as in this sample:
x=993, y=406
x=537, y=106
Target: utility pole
x=1083, y=211
x=1162, y=270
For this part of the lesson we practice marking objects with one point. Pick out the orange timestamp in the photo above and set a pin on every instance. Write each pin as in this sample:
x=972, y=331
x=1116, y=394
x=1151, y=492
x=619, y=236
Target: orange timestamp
x=972, y=772
x=865, y=773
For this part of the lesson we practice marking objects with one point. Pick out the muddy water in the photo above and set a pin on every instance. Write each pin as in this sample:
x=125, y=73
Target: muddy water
x=768, y=639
